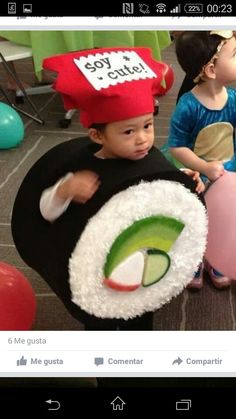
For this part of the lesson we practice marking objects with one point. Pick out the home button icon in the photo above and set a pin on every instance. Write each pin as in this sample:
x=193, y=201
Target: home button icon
x=117, y=403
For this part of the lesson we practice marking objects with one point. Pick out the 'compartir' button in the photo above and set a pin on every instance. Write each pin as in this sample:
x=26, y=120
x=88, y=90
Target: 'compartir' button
x=204, y=362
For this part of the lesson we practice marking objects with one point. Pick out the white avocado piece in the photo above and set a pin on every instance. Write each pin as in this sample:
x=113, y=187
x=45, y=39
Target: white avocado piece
x=156, y=266
x=127, y=276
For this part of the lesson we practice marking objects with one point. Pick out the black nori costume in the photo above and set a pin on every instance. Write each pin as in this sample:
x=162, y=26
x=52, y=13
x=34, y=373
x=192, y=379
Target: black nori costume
x=46, y=247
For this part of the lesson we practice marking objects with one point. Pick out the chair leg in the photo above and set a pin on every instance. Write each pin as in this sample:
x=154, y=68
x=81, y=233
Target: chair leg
x=18, y=82
x=66, y=121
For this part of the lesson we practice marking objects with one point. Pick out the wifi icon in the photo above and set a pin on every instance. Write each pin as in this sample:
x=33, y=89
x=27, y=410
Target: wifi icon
x=160, y=8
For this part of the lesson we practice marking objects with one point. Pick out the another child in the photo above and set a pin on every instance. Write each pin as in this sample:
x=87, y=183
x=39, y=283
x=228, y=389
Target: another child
x=202, y=127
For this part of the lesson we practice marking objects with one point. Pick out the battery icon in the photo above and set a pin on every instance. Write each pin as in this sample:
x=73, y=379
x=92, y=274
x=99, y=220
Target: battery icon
x=193, y=8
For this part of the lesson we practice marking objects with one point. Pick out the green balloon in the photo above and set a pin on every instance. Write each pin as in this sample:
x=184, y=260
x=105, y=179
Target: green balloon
x=11, y=127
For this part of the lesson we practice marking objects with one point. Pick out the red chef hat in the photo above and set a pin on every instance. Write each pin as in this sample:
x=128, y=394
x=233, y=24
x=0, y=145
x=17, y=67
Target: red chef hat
x=108, y=84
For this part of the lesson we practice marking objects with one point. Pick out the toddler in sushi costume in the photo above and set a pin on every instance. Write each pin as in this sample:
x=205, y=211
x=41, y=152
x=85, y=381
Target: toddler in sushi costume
x=110, y=242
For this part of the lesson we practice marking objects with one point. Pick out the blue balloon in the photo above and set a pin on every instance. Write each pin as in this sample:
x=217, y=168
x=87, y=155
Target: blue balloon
x=11, y=127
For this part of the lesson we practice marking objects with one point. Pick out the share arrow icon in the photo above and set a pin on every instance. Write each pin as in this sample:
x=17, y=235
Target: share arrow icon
x=177, y=361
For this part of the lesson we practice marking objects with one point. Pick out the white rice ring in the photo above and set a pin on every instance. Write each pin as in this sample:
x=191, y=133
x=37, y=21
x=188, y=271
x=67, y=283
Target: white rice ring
x=160, y=197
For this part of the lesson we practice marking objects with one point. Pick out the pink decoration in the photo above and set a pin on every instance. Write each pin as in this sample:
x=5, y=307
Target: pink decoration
x=221, y=206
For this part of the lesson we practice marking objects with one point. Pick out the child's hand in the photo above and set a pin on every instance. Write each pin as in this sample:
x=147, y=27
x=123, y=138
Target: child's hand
x=80, y=187
x=200, y=187
x=214, y=170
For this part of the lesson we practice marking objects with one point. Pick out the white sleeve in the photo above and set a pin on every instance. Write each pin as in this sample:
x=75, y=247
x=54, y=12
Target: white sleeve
x=51, y=207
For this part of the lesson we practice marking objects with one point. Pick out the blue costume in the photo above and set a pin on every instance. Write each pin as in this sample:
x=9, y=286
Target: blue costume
x=208, y=133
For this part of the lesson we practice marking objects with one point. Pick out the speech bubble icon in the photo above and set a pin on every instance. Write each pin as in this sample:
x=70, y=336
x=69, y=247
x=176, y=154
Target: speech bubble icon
x=98, y=361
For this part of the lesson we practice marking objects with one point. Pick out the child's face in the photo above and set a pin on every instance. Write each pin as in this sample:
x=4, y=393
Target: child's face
x=225, y=65
x=129, y=139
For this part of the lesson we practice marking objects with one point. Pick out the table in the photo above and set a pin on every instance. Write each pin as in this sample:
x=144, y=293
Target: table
x=48, y=43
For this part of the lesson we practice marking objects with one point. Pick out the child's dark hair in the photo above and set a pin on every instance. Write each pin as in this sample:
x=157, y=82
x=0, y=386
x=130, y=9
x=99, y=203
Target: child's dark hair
x=99, y=127
x=194, y=49
x=102, y=126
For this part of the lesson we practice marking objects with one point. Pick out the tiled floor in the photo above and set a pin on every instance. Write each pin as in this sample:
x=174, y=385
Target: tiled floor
x=208, y=309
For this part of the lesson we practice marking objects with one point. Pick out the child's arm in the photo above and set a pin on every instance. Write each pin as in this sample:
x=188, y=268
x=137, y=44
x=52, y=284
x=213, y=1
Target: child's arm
x=212, y=170
x=78, y=187
x=200, y=187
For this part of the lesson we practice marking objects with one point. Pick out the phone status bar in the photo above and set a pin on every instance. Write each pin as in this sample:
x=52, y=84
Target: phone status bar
x=119, y=9
x=179, y=9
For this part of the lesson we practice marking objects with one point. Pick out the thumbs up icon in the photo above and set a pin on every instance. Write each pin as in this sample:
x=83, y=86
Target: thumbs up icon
x=21, y=361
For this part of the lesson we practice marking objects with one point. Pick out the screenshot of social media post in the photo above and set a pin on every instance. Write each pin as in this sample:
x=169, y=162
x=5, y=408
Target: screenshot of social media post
x=117, y=210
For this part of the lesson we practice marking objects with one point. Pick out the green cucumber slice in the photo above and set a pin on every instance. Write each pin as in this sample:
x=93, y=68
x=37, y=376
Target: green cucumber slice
x=156, y=265
x=158, y=232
